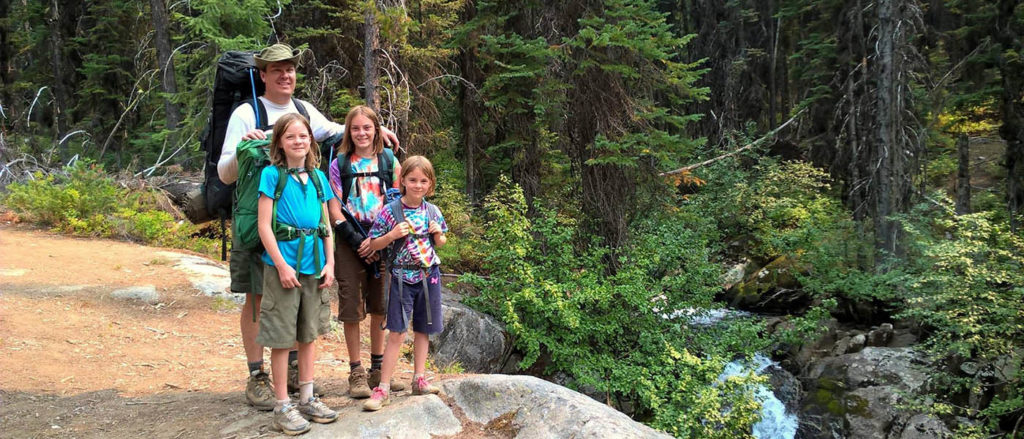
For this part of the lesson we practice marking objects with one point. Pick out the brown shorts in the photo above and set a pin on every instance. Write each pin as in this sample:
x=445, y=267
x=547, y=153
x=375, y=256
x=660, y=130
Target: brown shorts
x=359, y=293
x=297, y=314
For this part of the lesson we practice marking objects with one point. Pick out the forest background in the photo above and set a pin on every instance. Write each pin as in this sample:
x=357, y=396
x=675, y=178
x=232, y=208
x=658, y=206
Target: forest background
x=600, y=162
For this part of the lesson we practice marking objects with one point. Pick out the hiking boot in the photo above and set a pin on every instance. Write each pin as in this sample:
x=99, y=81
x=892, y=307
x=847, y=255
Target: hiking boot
x=259, y=392
x=290, y=421
x=357, y=387
x=420, y=386
x=379, y=399
x=317, y=411
x=293, y=379
x=374, y=381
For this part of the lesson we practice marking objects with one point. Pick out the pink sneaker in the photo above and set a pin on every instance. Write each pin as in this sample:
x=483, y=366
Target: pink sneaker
x=378, y=399
x=420, y=386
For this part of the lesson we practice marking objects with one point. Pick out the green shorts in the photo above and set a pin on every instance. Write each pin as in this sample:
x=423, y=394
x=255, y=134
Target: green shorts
x=246, y=271
x=296, y=314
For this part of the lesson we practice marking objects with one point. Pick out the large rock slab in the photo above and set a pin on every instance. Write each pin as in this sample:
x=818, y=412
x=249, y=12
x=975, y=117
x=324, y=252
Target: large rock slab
x=474, y=340
x=142, y=293
x=209, y=277
x=412, y=417
x=540, y=409
x=858, y=396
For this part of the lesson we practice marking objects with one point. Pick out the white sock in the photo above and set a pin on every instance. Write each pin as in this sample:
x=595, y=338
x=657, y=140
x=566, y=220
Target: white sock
x=305, y=391
x=280, y=404
x=385, y=386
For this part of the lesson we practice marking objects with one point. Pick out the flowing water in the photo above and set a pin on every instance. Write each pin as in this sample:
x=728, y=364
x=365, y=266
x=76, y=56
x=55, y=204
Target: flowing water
x=775, y=423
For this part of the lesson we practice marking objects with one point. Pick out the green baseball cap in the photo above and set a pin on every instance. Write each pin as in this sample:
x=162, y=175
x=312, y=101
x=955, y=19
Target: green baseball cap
x=276, y=53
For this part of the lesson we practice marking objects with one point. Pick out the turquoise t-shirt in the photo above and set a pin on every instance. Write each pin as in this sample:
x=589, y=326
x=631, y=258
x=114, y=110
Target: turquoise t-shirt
x=298, y=207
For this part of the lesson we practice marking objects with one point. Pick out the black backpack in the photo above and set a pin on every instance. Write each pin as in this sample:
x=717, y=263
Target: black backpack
x=237, y=82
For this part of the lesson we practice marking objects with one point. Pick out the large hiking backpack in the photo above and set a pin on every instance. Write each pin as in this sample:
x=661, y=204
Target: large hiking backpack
x=252, y=158
x=236, y=82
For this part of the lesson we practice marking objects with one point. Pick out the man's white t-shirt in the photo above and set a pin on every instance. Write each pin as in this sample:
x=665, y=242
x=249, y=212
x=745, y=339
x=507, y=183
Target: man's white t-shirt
x=243, y=120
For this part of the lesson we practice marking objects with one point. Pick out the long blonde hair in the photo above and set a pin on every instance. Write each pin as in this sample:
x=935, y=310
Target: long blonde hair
x=277, y=153
x=347, y=145
x=419, y=162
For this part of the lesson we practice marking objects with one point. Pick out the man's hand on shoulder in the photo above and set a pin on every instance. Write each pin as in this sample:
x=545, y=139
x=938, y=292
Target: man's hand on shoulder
x=389, y=137
x=254, y=135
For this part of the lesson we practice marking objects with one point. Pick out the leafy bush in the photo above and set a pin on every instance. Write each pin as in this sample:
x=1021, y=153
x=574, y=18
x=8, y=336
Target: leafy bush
x=84, y=201
x=964, y=283
x=612, y=332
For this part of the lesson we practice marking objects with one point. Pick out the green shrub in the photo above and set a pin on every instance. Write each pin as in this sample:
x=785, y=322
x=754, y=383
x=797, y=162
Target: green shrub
x=547, y=281
x=85, y=201
x=964, y=283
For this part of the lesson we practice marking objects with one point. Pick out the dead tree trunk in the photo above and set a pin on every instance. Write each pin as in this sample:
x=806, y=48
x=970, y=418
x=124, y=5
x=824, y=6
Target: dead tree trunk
x=885, y=129
x=963, y=176
x=5, y=55
x=57, y=63
x=1012, y=130
x=371, y=43
x=165, y=63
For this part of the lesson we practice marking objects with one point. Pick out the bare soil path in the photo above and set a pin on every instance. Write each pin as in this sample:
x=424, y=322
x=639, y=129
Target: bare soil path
x=78, y=363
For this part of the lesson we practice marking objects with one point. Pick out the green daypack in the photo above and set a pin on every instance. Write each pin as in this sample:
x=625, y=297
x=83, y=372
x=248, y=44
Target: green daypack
x=253, y=156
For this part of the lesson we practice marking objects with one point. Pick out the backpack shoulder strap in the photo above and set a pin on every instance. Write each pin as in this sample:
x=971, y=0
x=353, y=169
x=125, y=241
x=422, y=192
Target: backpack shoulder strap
x=260, y=110
x=301, y=108
x=315, y=177
x=345, y=175
x=386, y=169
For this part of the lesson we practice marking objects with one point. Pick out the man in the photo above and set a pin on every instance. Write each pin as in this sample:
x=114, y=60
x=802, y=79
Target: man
x=276, y=65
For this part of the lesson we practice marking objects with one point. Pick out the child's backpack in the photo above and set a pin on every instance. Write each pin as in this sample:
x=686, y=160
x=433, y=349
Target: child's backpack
x=391, y=256
x=253, y=156
x=385, y=170
x=237, y=81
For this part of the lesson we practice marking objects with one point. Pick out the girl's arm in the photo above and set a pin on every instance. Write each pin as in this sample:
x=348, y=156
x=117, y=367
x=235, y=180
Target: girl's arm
x=264, y=210
x=327, y=274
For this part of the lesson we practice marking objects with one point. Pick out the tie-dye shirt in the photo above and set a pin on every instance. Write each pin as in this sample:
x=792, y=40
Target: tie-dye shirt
x=417, y=250
x=366, y=203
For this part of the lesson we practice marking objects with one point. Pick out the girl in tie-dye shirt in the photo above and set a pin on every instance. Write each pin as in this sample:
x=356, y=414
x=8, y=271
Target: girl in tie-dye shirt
x=360, y=293
x=416, y=288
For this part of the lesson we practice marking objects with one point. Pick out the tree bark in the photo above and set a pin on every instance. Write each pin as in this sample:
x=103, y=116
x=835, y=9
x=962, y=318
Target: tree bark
x=963, y=176
x=885, y=128
x=1012, y=130
x=472, y=110
x=165, y=63
x=5, y=56
x=371, y=43
x=57, y=63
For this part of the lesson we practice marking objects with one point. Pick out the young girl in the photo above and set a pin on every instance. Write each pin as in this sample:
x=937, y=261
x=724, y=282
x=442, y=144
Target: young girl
x=294, y=309
x=360, y=176
x=416, y=285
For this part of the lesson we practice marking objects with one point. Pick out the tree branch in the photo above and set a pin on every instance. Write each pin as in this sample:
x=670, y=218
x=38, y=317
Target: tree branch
x=744, y=148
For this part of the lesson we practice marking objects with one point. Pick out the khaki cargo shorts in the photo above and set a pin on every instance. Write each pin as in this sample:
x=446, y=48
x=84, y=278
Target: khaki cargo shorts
x=297, y=314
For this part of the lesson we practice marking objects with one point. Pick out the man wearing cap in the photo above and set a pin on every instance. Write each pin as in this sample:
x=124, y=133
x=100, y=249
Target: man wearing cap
x=276, y=65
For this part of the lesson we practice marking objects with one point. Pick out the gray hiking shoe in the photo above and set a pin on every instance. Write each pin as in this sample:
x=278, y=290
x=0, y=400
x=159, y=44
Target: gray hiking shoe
x=379, y=399
x=420, y=386
x=259, y=392
x=290, y=421
x=357, y=387
x=293, y=379
x=374, y=381
x=317, y=411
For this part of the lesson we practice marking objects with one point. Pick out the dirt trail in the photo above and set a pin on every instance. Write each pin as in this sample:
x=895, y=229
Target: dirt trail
x=75, y=362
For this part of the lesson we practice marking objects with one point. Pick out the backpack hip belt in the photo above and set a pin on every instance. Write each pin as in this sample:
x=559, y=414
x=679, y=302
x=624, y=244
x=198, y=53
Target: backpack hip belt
x=284, y=232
